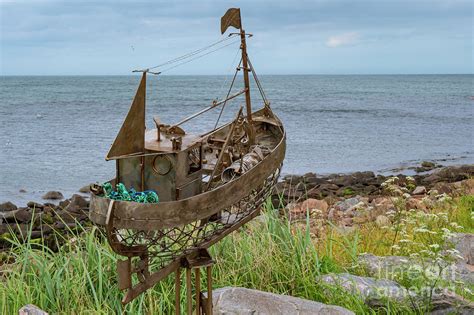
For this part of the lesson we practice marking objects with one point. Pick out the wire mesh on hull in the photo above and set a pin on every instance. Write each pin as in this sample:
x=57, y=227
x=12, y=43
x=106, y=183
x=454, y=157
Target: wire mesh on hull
x=166, y=245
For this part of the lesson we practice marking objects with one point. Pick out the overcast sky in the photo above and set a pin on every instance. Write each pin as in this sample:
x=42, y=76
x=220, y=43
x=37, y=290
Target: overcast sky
x=290, y=37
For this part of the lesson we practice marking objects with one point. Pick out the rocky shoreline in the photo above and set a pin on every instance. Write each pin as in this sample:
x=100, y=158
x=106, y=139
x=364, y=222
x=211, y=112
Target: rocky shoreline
x=347, y=199
x=350, y=199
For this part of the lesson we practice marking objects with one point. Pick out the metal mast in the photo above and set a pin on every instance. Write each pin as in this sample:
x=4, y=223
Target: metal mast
x=243, y=47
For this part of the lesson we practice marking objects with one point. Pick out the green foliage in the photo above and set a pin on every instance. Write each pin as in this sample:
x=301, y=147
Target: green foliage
x=465, y=213
x=267, y=254
x=348, y=191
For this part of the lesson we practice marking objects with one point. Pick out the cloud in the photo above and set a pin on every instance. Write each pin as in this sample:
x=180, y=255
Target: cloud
x=96, y=36
x=343, y=39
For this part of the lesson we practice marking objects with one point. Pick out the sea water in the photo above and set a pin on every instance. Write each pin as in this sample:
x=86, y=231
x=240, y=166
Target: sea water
x=56, y=130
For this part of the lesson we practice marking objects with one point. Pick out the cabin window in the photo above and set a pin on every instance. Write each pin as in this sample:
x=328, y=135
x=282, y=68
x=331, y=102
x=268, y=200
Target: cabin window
x=194, y=159
x=162, y=165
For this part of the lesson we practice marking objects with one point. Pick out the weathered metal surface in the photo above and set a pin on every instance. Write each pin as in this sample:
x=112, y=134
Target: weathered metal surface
x=165, y=143
x=159, y=239
x=132, y=215
x=150, y=281
x=130, y=171
x=131, y=137
x=217, y=166
x=231, y=18
x=248, y=210
x=124, y=270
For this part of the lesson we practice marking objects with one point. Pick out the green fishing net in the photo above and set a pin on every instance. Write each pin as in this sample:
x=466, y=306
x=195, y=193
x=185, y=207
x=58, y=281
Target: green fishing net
x=121, y=193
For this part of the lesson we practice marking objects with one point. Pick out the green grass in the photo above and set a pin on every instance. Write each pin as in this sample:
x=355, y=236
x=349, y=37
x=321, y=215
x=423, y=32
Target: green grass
x=464, y=213
x=267, y=254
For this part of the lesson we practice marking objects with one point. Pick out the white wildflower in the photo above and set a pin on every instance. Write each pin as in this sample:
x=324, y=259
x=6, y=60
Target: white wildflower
x=421, y=230
x=455, y=226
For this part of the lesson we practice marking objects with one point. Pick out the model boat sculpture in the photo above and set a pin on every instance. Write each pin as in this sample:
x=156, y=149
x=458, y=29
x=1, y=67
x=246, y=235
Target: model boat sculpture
x=208, y=185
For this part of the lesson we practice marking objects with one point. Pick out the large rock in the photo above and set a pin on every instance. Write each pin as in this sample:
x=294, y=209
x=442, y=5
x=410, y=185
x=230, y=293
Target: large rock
x=66, y=216
x=465, y=187
x=450, y=174
x=77, y=203
x=365, y=178
x=373, y=291
x=347, y=204
x=309, y=205
x=376, y=291
x=35, y=205
x=53, y=195
x=21, y=215
x=7, y=206
x=450, y=303
x=464, y=243
x=419, y=190
x=31, y=309
x=388, y=266
x=241, y=301
x=85, y=189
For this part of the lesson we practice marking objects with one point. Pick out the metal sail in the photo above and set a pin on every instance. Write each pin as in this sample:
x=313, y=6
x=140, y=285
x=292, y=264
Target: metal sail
x=231, y=18
x=131, y=137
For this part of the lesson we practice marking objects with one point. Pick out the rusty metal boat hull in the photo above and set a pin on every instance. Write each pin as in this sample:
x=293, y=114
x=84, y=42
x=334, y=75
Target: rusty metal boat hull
x=133, y=215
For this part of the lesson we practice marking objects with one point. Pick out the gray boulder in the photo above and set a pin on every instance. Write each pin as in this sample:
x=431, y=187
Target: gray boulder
x=7, y=206
x=372, y=290
x=21, y=215
x=77, y=203
x=387, y=266
x=35, y=205
x=464, y=243
x=85, y=189
x=347, y=204
x=31, y=309
x=376, y=291
x=53, y=195
x=242, y=301
x=419, y=190
x=450, y=303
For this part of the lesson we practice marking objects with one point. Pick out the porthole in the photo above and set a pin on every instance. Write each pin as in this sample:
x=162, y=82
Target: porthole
x=162, y=165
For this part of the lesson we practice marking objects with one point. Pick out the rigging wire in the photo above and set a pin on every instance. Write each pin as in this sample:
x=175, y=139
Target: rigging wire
x=257, y=81
x=226, y=78
x=228, y=93
x=192, y=53
x=198, y=56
